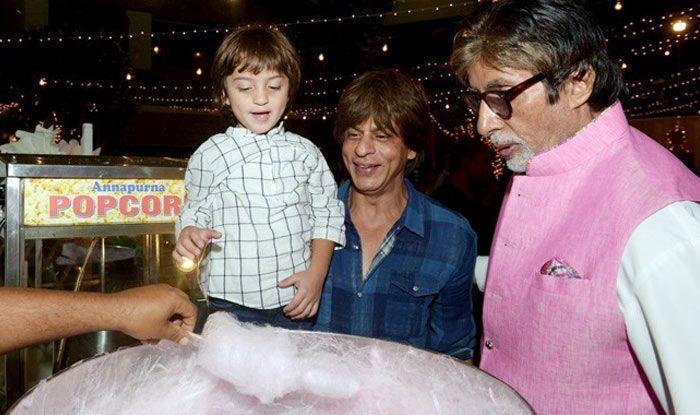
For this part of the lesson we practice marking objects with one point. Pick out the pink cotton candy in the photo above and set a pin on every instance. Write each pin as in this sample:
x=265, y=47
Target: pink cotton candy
x=243, y=369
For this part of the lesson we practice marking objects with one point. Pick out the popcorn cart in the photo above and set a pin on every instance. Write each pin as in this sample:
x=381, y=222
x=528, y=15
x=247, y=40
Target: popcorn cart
x=84, y=223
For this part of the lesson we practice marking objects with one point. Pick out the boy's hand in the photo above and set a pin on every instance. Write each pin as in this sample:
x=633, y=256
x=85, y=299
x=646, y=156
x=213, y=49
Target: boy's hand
x=192, y=242
x=305, y=302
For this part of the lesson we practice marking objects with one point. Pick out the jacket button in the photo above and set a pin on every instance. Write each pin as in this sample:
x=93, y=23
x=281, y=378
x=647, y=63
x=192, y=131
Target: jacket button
x=415, y=288
x=488, y=344
x=359, y=295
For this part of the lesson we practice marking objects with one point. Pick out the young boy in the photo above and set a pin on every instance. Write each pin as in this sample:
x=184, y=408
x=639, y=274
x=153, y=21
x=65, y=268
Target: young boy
x=263, y=196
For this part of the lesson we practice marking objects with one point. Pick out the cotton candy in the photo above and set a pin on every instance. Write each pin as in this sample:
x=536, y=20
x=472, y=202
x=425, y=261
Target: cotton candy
x=243, y=369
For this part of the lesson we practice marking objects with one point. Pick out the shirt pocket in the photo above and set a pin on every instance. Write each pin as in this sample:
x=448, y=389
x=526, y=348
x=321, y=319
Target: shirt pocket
x=562, y=307
x=559, y=285
x=408, y=304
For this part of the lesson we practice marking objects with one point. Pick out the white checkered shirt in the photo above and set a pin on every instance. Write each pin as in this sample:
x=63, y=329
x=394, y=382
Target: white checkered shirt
x=269, y=195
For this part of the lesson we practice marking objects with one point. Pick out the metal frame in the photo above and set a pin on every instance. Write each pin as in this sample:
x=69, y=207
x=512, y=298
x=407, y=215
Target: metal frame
x=16, y=168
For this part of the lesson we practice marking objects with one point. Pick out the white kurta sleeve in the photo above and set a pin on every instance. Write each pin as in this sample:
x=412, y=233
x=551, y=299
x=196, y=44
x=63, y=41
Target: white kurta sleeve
x=658, y=289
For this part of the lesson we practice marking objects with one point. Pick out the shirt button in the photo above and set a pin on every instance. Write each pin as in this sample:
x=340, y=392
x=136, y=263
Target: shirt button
x=359, y=295
x=355, y=247
x=488, y=344
x=415, y=288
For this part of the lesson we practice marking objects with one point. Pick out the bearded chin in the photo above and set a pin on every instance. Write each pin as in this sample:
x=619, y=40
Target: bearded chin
x=521, y=159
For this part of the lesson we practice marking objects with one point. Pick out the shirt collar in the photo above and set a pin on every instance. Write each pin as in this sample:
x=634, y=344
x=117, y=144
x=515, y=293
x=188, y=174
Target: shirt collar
x=244, y=133
x=607, y=128
x=413, y=216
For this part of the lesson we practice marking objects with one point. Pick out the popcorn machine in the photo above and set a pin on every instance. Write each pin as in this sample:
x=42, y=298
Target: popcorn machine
x=84, y=223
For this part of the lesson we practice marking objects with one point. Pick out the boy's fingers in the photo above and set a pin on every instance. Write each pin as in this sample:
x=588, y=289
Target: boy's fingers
x=298, y=311
x=287, y=282
x=314, y=309
x=189, y=248
x=289, y=309
x=307, y=311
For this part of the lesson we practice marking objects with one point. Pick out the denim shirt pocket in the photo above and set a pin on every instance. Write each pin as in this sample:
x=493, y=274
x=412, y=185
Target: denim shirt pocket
x=408, y=305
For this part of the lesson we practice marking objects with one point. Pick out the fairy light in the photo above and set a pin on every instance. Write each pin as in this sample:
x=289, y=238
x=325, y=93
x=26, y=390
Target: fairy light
x=156, y=50
x=5, y=108
x=679, y=26
x=321, y=58
x=618, y=5
x=664, y=44
x=648, y=25
x=129, y=77
x=385, y=48
x=198, y=71
x=182, y=34
x=42, y=82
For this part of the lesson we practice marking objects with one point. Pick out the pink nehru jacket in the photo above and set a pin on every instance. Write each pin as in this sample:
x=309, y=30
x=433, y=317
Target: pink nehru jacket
x=553, y=329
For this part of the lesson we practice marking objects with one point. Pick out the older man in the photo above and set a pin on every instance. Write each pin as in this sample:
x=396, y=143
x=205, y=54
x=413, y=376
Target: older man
x=405, y=273
x=593, y=284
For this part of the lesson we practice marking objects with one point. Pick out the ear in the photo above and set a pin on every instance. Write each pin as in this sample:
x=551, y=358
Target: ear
x=578, y=88
x=224, y=99
x=411, y=155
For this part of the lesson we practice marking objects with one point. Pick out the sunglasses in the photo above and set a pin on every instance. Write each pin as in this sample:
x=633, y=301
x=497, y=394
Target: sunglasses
x=499, y=101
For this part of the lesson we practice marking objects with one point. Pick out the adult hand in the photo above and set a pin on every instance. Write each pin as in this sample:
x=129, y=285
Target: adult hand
x=192, y=242
x=154, y=312
x=305, y=302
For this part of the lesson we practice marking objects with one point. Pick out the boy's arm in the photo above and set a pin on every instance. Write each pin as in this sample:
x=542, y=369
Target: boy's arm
x=309, y=283
x=199, y=179
x=328, y=213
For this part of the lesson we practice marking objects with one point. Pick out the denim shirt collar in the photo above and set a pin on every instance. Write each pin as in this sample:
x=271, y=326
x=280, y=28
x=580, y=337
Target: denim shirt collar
x=412, y=218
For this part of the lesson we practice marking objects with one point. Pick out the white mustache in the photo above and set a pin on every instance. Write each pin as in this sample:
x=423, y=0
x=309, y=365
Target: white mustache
x=500, y=139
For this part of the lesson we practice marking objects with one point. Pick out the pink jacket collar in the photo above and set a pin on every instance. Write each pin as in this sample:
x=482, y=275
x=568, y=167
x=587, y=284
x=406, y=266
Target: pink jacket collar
x=610, y=126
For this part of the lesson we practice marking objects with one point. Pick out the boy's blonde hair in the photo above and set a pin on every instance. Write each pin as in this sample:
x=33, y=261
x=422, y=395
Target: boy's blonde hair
x=255, y=48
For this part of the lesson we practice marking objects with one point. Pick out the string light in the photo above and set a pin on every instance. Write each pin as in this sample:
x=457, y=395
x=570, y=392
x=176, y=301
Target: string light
x=679, y=26
x=654, y=89
x=664, y=44
x=677, y=139
x=129, y=77
x=42, y=82
x=385, y=48
x=618, y=5
x=156, y=49
x=691, y=105
x=674, y=75
x=321, y=57
x=198, y=71
x=647, y=25
x=5, y=108
x=180, y=34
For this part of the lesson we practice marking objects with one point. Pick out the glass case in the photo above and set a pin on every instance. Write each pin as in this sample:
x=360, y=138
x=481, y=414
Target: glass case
x=84, y=223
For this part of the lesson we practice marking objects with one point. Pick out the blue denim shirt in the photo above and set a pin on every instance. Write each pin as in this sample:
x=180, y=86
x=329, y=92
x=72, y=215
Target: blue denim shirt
x=419, y=292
